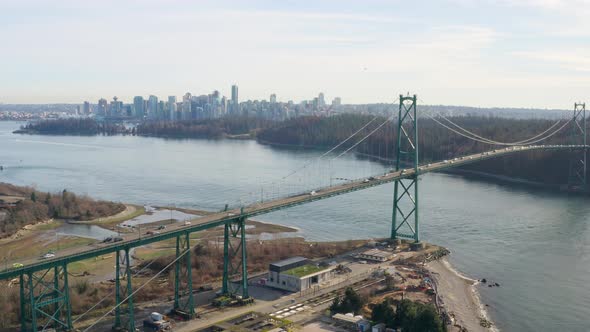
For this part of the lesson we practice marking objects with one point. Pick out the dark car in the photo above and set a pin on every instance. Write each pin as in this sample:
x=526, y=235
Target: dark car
x=117, y=239
x=108, y=239
x=161, y=227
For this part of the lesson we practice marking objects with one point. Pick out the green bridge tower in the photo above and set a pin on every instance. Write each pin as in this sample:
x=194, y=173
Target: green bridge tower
x=405, y=203
x=577, y=167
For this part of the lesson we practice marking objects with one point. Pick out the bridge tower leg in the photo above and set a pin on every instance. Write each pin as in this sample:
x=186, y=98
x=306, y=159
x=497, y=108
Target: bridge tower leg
x=405, y=204
x=45, y=300
x=122, y=292
x=235, y=258
x=184, y=304
x=577, y=167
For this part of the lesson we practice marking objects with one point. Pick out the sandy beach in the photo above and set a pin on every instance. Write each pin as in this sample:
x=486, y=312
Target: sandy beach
x=459, y=297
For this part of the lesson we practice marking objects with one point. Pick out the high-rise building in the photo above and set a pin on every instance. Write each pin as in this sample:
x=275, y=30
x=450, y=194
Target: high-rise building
x=223, y=105
x=138, y=107
x=186, y=107
x=235, y=103
x=172, y=108
x=337, y=101
x=152, y=107
x=115, y=107
x=102, y=107
x=86, y=109
x=161, y=110
x=273, y=98
x=321, y=100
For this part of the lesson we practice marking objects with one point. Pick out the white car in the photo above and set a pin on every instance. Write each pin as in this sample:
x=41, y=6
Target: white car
x=445, y=161
x=187, y=223
x=48, y=255
x=313, y=193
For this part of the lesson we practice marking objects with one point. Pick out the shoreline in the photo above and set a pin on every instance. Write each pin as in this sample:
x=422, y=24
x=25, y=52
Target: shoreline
x=459, y=297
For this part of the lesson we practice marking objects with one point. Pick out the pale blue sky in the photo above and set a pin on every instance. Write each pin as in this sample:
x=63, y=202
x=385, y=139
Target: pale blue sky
x=522, y=53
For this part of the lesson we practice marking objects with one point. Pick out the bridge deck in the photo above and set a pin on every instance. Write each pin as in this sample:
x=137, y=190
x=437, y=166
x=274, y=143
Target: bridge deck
x=220, y=218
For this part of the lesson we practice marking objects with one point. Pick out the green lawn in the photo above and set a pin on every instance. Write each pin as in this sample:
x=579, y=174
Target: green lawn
x=304, y=270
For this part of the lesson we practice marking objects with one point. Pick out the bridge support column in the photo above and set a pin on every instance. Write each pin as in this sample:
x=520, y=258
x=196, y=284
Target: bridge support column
x=235, y=268
x=184, y=304
x=45, y=300
x=123, y=291
x=577, y=167
x=405, y=204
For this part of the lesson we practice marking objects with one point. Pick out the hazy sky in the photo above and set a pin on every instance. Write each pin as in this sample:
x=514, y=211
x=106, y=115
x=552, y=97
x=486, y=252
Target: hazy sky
x=522, y=53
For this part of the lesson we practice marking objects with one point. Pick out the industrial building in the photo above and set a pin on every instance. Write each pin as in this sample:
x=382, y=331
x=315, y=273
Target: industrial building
x=376, y=255
x=352, y=323
x=297, y=274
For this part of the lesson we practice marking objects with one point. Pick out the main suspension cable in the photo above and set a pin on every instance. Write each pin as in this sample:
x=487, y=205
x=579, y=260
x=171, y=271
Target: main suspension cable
x=364, y=138
x=497, y=142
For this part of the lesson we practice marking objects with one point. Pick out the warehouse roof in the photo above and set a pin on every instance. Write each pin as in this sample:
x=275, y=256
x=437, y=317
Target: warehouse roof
x=289, y=261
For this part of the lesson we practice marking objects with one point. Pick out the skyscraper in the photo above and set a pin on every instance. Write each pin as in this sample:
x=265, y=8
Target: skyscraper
x=235, y=104
x=152, y=107
x=115, y=108
x=138, y=106
x=321, y=100
x=273, y=98
x=86, y=109
x=102, y=107
x=186, y=107
x=172, y=108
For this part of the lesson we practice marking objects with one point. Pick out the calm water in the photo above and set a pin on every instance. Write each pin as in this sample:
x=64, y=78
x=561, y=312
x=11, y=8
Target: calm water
x=535, y=244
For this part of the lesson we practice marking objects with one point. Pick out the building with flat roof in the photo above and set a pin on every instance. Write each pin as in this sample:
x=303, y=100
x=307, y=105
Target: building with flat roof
x=296, y=274
x=376, y=255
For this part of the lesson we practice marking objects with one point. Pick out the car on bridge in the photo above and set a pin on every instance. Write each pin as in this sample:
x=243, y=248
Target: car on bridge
x=48, y=255
x=17, y=265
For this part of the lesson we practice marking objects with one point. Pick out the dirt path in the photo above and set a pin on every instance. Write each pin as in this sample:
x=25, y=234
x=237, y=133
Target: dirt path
x=458, y=296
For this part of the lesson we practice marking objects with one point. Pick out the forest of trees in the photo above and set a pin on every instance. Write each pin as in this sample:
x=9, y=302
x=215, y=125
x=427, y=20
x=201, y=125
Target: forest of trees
x=408, y=316
x=73, y=127
x=436, y=143
x=212, y=128
x=38, y=206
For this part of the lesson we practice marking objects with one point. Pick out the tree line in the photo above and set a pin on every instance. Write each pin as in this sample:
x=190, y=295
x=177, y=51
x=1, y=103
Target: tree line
x=37, y=206
x=436, y=143
x=73, y=126
x=210, y=128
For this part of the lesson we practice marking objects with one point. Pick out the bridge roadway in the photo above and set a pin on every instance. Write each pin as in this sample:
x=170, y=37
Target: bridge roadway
x=220, y=218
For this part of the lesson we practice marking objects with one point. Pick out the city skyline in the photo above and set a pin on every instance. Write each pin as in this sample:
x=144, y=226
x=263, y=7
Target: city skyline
x=509, y=53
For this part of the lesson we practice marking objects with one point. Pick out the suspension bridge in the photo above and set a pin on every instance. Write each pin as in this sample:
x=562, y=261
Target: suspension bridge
x=44, y=289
